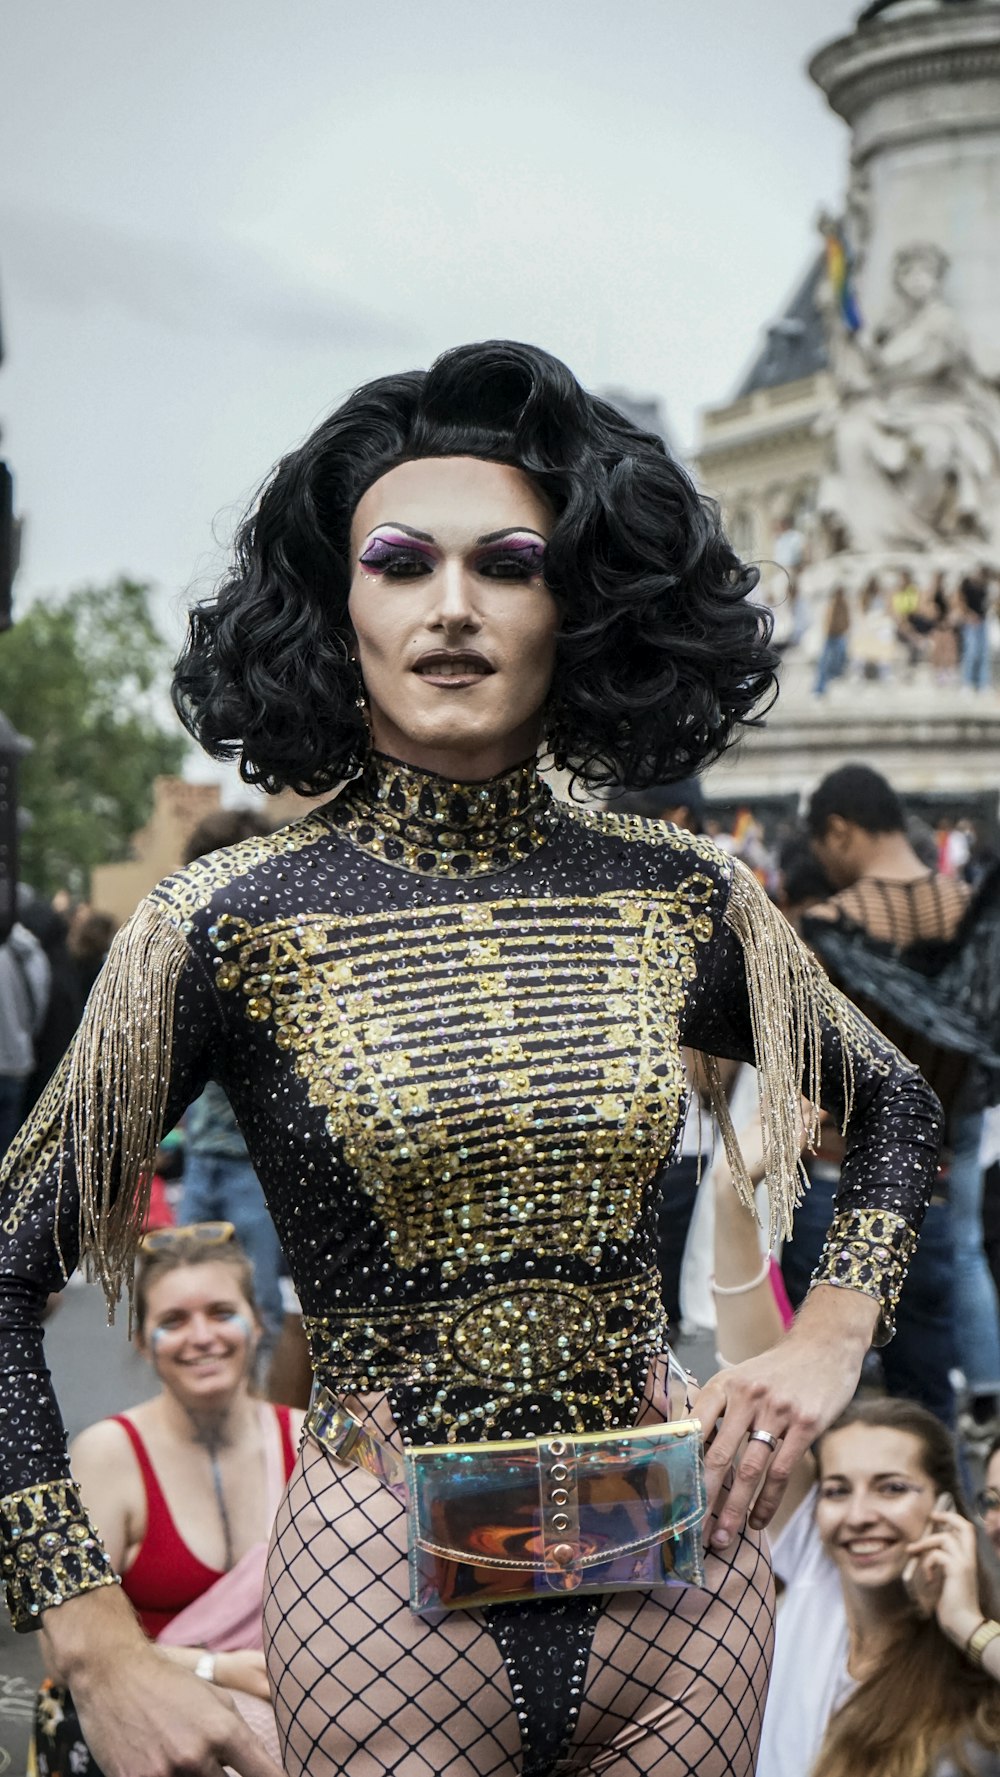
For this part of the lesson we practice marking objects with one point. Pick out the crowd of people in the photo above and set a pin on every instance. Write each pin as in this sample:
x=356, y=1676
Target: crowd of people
x=897, y=626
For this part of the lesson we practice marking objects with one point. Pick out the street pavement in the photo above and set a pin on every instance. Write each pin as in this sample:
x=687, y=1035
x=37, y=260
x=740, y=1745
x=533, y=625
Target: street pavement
x=97, y=1372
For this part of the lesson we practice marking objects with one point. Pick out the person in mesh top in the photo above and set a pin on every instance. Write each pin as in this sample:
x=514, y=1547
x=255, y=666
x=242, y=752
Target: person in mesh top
x=448, y=1011
x=890, y=904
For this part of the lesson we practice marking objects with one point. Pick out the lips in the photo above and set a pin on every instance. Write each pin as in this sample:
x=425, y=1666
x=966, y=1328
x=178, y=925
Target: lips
x=452, y=664
x=865, y=1547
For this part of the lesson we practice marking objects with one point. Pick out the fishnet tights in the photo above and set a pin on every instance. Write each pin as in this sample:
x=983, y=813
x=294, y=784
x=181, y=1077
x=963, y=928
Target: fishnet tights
x=675, y=1681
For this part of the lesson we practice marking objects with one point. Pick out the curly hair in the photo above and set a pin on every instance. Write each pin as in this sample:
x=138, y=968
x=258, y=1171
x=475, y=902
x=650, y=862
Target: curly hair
x=661, y=654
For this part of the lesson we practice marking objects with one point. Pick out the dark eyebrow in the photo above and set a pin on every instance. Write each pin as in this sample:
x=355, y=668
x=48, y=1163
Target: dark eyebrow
x=391, y=524
x=513, y=530
x=888, y=1475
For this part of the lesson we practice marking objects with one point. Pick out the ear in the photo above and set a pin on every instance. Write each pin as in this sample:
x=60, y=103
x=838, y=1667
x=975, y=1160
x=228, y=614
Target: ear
x=838, y=831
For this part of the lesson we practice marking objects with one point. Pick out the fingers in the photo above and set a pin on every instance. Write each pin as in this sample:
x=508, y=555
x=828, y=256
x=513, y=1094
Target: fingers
x=245, y=1754
x=741, y=1465
x=793, y=1448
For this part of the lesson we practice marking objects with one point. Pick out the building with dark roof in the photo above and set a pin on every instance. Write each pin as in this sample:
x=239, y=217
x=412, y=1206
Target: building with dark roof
x=761, y=453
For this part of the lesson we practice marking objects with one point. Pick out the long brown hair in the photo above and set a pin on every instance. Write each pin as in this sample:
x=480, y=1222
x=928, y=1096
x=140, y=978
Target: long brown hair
x=926, y=1699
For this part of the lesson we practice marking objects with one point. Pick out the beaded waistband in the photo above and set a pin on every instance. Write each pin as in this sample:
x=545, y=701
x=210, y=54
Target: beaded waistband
x=576, y=1343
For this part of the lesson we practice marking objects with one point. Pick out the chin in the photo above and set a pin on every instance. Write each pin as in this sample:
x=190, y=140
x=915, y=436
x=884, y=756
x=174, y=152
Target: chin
x=888, y=1572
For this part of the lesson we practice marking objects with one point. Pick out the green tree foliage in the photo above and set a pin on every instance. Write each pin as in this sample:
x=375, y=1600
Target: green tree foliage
x=83, y=678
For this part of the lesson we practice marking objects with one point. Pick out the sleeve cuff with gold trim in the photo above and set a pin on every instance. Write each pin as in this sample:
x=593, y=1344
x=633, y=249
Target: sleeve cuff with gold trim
x=869, y=1250
x=49, y=1550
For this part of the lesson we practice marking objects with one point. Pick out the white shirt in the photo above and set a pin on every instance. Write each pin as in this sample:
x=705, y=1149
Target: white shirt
x=809, y=1678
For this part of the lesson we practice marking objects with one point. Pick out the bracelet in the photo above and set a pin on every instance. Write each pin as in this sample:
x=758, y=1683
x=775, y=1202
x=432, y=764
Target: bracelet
x=741, y=1289
x=980, y=1639
x=205, y=1667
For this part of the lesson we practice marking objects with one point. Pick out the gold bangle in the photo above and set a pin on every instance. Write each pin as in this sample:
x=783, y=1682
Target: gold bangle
x=980, y=1640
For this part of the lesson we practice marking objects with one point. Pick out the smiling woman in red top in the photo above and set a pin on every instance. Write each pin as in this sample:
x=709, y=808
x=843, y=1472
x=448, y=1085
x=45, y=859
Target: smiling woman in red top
x=184, y=1487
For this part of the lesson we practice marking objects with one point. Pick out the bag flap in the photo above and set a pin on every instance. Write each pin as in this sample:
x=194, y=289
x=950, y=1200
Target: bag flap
x=567, y=1502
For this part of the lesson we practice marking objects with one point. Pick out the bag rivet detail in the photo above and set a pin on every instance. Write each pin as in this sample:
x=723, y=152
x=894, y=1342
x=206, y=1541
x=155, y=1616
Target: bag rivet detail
x=563, y=1554
x=558, y=1471
x=557, y=1448
x=559, y=1496
x=560, y=1522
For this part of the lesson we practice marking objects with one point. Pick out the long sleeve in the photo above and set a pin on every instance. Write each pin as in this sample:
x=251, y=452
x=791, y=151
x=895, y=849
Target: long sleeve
x=765, y=999
x=73, y=1185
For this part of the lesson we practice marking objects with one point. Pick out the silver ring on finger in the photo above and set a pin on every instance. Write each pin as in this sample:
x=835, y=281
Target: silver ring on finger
x=764, y=1437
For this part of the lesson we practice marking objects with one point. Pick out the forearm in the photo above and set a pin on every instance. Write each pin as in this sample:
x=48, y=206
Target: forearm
x=832, y=1315
x=89, y=1633
x=746, y=1313
x=48, y=1547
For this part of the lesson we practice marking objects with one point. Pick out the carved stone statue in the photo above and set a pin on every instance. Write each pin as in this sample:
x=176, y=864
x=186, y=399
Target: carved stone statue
x=915, y=435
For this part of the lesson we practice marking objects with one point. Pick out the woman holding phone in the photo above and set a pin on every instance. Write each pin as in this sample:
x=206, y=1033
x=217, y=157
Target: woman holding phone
x=887, y=1643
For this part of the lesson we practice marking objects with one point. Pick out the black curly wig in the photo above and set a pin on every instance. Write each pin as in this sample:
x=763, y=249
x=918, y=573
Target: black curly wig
x=661, y=654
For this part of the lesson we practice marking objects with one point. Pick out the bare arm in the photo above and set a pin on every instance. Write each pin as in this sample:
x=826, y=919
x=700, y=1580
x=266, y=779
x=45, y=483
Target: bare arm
x=767, y=1001
x=748, y=1320
x=72, y=1178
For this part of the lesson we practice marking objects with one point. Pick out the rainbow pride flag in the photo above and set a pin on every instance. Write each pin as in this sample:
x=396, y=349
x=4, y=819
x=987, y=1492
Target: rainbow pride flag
x=838, y=270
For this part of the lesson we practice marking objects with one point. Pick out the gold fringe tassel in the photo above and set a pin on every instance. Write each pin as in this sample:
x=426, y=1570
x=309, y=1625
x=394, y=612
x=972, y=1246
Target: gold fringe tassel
x=116, y=1100
x=790, y=999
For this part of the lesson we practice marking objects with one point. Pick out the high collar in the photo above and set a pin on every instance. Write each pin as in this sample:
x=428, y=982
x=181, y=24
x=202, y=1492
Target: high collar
x=436, y=827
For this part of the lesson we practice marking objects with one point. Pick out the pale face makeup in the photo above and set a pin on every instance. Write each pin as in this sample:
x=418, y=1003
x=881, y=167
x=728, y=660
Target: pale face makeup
x=874, y=1500
x=455, y=627
x=200, y=1332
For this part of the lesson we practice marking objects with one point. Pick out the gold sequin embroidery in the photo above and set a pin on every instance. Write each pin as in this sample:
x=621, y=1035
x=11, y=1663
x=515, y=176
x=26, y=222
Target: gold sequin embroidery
x=503, y=1344
x=869, y=1250
x=49, y=1550
x=487, y=1110
x=420, y=822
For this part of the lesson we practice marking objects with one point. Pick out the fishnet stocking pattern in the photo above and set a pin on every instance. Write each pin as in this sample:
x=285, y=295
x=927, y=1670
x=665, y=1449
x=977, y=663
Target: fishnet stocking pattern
x=674, y=1683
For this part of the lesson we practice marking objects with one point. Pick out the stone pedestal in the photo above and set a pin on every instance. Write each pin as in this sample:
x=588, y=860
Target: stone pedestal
x=928, y=740
x=919, y=87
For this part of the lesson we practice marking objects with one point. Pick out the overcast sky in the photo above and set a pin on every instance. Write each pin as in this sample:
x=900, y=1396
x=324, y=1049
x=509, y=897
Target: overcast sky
x=218, y=216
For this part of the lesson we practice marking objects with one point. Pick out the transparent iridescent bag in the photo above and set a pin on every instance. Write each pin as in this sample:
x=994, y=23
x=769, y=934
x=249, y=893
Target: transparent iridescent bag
x=538, y=1518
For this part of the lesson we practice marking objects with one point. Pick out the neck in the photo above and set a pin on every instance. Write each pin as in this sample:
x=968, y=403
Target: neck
x=213, y=1426
x=873, y=1616
x=422, y=821
x=462, y=761
x=892, y=858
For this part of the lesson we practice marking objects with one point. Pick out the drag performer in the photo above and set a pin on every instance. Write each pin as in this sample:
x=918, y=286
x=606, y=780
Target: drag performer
x=448, y=1011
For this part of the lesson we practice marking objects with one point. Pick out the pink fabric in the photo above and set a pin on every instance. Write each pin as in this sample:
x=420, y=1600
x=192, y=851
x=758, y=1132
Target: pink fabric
x=225, y=1619
x=228, y=1616
x=785, y=1308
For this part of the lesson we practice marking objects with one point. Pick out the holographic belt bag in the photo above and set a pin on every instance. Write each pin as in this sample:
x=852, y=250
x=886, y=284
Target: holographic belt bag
x=537, y=1518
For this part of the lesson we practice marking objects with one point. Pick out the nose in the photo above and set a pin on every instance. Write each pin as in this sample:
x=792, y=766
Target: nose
x=859, y=1511
x=454, y=610
x=202, y=1330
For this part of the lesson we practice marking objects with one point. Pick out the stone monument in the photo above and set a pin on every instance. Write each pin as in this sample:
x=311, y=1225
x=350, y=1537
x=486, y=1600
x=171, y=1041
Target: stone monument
x=914, y=420
x=882, y=437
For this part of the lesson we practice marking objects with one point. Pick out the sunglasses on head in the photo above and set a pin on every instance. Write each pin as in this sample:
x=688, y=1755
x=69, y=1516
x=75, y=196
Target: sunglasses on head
x=987, y=1501
x=164, y=1240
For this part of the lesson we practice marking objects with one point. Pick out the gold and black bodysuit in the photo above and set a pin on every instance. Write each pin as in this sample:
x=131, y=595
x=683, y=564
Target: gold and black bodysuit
x=450, y=1021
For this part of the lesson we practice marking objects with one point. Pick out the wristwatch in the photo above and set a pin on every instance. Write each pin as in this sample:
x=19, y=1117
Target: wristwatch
x=206, y=1667
x=980, y=1640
